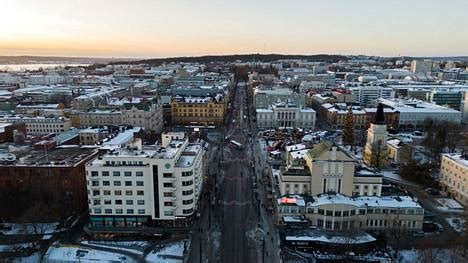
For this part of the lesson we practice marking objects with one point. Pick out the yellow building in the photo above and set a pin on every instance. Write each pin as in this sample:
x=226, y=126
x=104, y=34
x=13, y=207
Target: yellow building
x=198, y=110
x=454, y=175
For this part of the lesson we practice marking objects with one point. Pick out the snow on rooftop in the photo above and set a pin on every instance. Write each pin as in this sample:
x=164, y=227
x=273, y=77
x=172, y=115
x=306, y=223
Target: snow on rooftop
x=362, y=201
x=81, y=254
x=320, y=236
x=463, y=160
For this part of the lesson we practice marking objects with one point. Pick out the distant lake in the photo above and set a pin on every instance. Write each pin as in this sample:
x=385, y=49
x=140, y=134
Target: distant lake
x=23, y=67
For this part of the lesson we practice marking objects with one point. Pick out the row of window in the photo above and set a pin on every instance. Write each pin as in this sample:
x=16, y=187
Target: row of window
x=116, y=192
x=118, y=202
x=390, y=211
x=118, y=173
x=117, y=183
x=118, y=211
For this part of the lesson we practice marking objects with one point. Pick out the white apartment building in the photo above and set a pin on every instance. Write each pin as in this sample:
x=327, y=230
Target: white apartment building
x=130, y=187
x=413, y=113
x=40, y=125
x=421, y=66
x=285, y=115
x=454, y=175
x=367, y=95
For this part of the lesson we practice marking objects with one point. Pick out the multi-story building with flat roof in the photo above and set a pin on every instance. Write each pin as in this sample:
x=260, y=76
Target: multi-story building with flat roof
x=198, y=110
x=40, y=124
x=130, y=187
x=285, y=115
x=454, y=176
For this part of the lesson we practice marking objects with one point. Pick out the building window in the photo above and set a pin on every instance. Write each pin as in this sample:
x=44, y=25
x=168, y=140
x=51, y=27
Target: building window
x=168, y=175
x=96, y=192
x=140, y=202
x=105, y=173
x=187, y=183
x=107, y=202
x=117, y=183
x=108, y=211
x=127, y=173
x=117, y=192
x=118, y=202
x=189, y=173
x=129, y=202
x=94, y=173
x=138, y=174
x=187, y=202
x=128, y=192
x=118, y=211
x=128, y=183
x=167, y=184
x=95, y=183
x=130, y=211
x=187, y=211
x=115, y=173
x=319, y=223
x=105, y=183
x=141, y=211
x=168, y=204
x=97, y=210
x=188, y=192
x=140, y=192
x=139, y=183
x=168, y=213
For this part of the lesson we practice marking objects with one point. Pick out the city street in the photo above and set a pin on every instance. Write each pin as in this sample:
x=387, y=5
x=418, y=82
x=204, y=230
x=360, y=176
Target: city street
x=234, y=227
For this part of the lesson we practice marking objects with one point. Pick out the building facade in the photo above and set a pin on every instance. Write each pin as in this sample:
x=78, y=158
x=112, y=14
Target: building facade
x=285, y=115
x=326, y=169
x=342, y=213
x=454, y=175
x=40, y=125
x=141, y=187
x=198, y=110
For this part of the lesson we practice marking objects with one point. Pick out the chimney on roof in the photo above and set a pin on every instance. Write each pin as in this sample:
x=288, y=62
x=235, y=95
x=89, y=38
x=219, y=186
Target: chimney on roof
x=379, y=116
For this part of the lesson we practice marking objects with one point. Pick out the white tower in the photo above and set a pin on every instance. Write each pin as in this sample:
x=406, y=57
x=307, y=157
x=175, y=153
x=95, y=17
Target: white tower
x=376, y=146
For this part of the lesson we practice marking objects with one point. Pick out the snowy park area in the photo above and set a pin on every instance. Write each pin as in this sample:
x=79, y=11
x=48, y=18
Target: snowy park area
x=429, y=255
x=29, y=229
x=15, y=247
x=80, y=254
x=169, y=253
x=457, y=223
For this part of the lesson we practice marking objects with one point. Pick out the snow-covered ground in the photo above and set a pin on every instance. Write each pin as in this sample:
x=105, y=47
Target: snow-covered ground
x=33, y=258
x=15, y=247
x=169, y=253
x=457, y=223
x=429, y=255
x=113, y=246
x=30, y=229
x=81, y=254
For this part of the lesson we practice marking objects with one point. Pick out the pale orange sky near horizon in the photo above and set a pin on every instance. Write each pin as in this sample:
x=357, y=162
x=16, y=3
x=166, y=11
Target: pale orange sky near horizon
x=156, y=28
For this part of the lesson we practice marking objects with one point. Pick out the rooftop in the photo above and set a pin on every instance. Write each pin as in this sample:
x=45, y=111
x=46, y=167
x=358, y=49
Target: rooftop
x=362, y=201
x=459, y=158
x=69, y=155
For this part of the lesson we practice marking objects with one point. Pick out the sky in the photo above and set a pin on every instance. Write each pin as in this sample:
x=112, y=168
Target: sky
x=163, y=28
